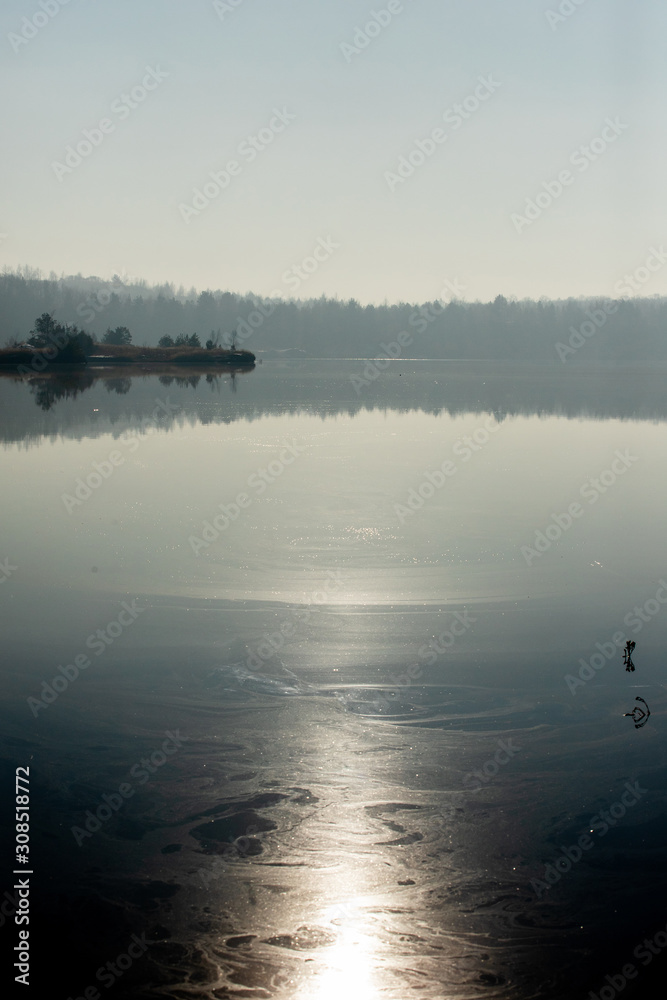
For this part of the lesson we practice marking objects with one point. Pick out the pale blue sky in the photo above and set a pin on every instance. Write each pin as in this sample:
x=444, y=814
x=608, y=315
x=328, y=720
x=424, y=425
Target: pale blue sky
x=324, y=175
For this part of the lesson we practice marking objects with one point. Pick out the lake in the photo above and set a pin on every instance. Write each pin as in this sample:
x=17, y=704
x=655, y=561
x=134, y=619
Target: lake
x=318, y=671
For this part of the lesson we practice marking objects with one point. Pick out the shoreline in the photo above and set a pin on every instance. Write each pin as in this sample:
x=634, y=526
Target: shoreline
x=22, y=360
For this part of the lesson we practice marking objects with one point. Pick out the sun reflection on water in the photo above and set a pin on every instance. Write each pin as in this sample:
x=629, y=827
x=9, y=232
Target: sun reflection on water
x=348, y=968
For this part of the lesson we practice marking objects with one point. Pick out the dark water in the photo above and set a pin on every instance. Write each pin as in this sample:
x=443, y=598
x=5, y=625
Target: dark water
x=326, y=717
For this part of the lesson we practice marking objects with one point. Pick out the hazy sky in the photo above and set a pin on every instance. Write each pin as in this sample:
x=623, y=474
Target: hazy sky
x=181, y=86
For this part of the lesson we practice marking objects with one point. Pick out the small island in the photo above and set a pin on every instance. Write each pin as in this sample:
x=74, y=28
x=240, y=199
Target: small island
x=53, y=344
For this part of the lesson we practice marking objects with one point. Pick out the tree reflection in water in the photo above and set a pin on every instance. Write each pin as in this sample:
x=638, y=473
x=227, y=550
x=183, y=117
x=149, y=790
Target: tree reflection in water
x=50, y=388
x=118, y=385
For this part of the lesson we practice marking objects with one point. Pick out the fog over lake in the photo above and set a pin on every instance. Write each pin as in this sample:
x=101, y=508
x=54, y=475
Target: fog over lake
x=333, y=450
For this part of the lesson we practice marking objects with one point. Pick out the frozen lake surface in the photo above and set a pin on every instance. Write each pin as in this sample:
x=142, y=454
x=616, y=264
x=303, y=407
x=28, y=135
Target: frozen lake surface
x=321, y=685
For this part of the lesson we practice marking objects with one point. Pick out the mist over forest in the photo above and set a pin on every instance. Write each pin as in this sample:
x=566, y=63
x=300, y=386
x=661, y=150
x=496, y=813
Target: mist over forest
x=567, y=331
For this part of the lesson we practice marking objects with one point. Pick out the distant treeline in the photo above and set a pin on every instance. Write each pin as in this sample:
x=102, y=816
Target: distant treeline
x=567, y=331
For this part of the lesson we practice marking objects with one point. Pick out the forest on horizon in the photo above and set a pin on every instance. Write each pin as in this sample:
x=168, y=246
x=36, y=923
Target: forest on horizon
x=568, y=330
